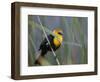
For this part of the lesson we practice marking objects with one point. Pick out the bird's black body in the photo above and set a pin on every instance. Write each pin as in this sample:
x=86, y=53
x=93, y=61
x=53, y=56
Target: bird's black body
x=48, y=44
x=45, y=46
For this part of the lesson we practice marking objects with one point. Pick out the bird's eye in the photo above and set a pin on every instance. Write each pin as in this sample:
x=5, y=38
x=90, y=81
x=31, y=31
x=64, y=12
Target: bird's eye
x=60, y=33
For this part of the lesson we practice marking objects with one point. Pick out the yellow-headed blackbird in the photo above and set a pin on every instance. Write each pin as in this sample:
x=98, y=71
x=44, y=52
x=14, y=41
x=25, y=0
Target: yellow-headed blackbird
x=54, y=42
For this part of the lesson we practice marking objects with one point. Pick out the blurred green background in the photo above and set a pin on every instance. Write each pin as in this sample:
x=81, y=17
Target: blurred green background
x=74, y=47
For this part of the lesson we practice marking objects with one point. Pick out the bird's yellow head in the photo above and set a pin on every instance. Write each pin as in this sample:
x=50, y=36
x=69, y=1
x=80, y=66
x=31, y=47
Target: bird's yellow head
x=58, y=36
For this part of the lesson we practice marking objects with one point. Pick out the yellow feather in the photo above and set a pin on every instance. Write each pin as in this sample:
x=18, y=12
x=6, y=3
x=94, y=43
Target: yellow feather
x=58, y=40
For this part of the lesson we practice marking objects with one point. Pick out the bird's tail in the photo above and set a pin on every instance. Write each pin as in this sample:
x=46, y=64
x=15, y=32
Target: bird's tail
x=38, y=55
x=36, y=61
x=41, y=60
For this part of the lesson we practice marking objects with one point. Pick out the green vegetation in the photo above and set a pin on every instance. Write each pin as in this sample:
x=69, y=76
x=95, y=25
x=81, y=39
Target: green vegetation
x=74, y=47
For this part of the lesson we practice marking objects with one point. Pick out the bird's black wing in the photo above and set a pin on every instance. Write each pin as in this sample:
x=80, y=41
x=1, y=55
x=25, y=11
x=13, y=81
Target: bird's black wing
x=45, y=46
x=45, y=41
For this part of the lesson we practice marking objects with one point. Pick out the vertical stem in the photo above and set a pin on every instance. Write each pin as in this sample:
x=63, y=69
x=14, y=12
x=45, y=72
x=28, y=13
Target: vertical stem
x=48, y=41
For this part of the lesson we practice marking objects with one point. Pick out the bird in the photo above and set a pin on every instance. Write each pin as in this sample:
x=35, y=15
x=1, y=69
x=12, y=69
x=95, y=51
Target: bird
x=51, y=42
